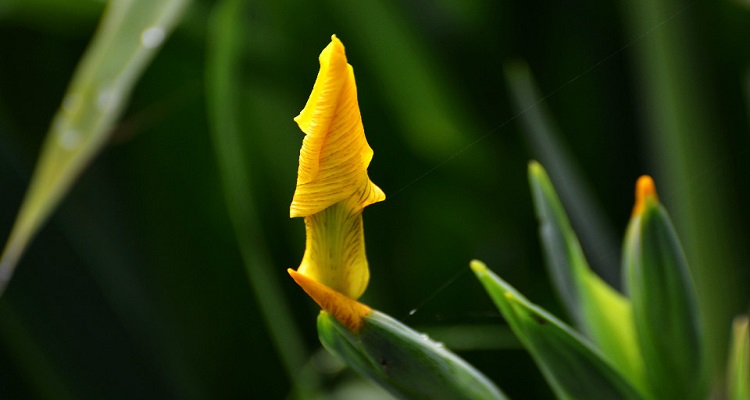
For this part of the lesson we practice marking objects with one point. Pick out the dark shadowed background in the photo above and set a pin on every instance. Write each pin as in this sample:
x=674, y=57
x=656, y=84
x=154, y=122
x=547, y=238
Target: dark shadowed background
x=136, y=287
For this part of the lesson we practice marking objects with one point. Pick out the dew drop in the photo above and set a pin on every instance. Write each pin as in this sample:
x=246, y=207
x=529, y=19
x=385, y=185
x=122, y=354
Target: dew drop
x=152, y=37
x=71, y=103
x=69, y=139
x=424, y=336
x=107, y=99
x=439, y=345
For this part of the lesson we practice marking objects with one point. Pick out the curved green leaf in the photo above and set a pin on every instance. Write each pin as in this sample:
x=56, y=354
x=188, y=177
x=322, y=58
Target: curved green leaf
x=573, y=368
x=406, y=363
x=664, y=305
x=548, y=146
x=599, y=311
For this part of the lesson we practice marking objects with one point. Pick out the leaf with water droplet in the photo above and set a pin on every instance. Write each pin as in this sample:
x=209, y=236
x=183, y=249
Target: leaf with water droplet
x=152, y=37
x=120, y=50
x=408, y=364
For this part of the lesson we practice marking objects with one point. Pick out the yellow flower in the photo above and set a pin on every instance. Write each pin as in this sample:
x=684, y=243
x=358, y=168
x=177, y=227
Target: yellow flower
x=332, y=183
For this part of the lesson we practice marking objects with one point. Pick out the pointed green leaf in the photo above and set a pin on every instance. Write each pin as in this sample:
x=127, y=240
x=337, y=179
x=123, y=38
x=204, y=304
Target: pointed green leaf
x=574, y=368
x=548, y=146
x=738, y=370
x=664, y=305
x=129, y=36
x=406, y=363
x=599, y=311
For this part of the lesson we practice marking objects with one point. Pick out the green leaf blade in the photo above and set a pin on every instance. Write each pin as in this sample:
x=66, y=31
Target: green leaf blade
x=600, y=312
x=738, y=370
x=574, y=369
x=130, y=34
x=408, y=364
x=664, y=306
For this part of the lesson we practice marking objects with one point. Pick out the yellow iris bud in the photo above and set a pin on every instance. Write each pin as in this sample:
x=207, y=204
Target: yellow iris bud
x=332, y=182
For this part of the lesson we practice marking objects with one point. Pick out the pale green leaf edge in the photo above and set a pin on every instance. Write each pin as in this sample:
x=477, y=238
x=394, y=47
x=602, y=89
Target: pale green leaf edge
x=128, y=37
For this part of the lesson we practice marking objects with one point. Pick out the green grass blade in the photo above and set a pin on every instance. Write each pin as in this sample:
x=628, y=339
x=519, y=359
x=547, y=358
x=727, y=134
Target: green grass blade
x=738, y=370
x=406, y=363
x=222, y=77
x=548, y=147
x=680, y=135
x=573, y=368
x=664, y=305
x=128, y=37
x=600, y=312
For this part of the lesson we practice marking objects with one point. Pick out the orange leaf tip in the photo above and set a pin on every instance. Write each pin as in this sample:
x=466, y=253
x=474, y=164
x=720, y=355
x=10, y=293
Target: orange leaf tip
x=645, y=191
x=347, y=311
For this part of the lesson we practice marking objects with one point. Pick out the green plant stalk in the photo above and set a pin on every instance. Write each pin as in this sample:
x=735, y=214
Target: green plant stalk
x=406, y=363
x=130, y=33
x=224, y=54
x=679, y=132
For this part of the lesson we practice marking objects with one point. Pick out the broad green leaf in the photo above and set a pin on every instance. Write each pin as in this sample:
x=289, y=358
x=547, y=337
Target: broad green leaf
x=664, y=305
x=599, y=311
x=129, y=36
x=573, y=368
x=406, y=363
x=738, y=370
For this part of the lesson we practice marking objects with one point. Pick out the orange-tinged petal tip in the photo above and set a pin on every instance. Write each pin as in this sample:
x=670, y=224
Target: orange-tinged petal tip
x=347, y=311
x=645, y=191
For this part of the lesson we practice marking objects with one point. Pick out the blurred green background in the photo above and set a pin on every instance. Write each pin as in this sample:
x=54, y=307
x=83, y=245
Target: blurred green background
x=137, y=288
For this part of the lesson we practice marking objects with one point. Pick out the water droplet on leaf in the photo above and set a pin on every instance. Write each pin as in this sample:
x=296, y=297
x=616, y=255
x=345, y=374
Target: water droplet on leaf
x=152, y=37
x=69, y=139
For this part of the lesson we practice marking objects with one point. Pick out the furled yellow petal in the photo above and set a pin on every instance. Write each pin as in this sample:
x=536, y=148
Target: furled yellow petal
x=349, y=312
x=335, y=249
x=335, y=154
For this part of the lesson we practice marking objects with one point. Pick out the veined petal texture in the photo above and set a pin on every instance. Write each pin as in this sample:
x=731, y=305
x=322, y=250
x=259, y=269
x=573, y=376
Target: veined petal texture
x=335, y=154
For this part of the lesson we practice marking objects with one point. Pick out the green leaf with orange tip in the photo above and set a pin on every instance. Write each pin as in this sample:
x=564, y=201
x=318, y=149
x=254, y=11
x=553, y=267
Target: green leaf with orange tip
x=599, y=311
x=738, y=370
x=573, y=368
x=664, y=304
x=406, y=363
